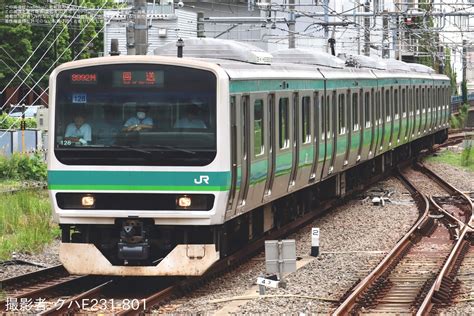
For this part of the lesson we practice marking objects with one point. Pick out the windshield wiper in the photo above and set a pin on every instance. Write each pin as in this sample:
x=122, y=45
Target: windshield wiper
x=130, y=148
x=174, y=148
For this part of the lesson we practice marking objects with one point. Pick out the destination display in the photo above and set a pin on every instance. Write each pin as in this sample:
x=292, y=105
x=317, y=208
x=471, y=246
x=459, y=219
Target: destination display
x=138, y=78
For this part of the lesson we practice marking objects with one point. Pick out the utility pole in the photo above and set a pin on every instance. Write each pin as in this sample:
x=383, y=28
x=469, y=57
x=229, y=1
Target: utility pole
x=385, y=41
x=200, y=24
x=137, y=29
x=141, y=27
x=291, y=24
x=464, y=67
x=367, y=30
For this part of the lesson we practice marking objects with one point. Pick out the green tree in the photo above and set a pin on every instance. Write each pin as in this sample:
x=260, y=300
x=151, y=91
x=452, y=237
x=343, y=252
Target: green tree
x=449, y=71
x=14, y=40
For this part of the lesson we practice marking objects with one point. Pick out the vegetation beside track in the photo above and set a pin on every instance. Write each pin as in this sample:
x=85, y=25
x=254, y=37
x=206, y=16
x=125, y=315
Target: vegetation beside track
x=463, y=159
x=25, y=222
x=459, y=120
x=25, y=216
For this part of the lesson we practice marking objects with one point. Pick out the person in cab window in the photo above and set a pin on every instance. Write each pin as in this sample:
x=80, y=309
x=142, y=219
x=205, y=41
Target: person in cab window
x=78, y=132
x=139, y=122
x=191, y=118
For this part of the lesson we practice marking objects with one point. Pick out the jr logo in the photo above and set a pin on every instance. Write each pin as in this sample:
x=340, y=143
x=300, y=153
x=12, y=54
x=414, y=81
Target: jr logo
x=202, y=179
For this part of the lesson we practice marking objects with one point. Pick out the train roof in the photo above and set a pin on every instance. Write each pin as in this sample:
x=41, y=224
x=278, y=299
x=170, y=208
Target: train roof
x=217, y=49
x=307, y=57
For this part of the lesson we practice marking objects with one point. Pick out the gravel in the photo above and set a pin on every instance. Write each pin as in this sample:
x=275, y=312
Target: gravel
x=47, y=258
x=352, y=241
x=462, y=179
x=424, y=183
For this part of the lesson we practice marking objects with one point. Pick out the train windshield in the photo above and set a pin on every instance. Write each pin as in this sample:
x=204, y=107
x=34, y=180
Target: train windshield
x=135, y=114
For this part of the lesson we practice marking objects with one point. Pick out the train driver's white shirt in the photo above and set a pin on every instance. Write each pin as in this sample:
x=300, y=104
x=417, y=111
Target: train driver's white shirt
x=136, y=121
x=83, y=132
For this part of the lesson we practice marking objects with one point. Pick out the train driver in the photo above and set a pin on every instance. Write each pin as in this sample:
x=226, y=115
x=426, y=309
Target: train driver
x=79, y=131
x=139, y=121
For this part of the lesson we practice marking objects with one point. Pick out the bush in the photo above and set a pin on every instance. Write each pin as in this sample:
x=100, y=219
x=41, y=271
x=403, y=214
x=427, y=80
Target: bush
x=459, y=120
x=7, y=122
x=23, y=167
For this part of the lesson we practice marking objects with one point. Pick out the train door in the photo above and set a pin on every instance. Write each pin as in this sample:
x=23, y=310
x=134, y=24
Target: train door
x=270, y=127
x=234, y=154
x=369, y=116
x=294, y=114
x=377, y=106
x=404, y=119
x=340, y=131
x=383, y=112
x=352, y=127
x=328, y=134
x=319, y=148
x=349, y=127
x=243, y=141
x=397, y=120
x=416, y=113
x=364, y=146
x=388, y=119
x=410, y=107
x=258, y=159
x=284, y=142
x=305, y=138
x=424, y=110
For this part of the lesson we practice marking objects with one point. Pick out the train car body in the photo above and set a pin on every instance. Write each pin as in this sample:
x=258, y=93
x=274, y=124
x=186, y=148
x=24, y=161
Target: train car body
x=173, y=199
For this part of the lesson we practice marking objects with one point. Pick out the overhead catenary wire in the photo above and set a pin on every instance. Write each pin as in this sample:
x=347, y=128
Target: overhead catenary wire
x=59, y=57
x=32, y=54
x=41, y=58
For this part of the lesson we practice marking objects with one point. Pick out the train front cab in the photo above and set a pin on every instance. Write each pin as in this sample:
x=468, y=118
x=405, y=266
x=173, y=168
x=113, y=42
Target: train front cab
x=146, y=208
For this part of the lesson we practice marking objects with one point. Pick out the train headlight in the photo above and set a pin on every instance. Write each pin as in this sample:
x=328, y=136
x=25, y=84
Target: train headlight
x=88, y=201
x=184, y=201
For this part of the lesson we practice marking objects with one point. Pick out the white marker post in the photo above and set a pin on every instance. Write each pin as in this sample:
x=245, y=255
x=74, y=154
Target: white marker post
x=314, y=242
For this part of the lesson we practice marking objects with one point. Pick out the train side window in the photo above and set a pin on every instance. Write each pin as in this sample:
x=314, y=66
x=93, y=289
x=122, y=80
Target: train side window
x=417, y=101
x=368, y=98
x=322, y=116
x=404, y=102
x=395, y=104
x=378, y=114
x=387, y=105
x=355, y=111
x=328, y=115
x=423, y=100
x=258, y=128
x=341, y=113
x=306, y=120
x=284, y=120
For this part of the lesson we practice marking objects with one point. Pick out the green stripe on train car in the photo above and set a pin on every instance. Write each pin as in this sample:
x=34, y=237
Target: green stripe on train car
x=242, y=86
x=139, y=180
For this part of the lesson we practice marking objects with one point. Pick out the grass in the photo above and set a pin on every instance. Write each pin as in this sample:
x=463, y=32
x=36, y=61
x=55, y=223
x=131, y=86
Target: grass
x=464, y=159
x=10, y=184
x=25, y=222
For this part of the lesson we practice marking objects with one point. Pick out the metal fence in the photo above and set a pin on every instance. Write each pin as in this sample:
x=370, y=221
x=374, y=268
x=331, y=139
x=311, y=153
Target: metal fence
x=457, y=101
x=11, y=141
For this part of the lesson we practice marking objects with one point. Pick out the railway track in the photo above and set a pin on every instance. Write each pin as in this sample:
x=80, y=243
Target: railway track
x=87, y=294
x=44, y=285
x=120, y=295
x=420, y=273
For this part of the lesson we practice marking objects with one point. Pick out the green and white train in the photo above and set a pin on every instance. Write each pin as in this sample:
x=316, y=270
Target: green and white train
x=277, y=133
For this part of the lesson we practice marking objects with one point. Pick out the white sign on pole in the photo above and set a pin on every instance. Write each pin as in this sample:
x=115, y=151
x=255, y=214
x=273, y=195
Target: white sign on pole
x=314, y=241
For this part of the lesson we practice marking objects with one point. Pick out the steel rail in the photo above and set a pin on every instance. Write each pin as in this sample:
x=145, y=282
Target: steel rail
x=456, y=252
x=65, y=307
x=382, y=268
x=31, y=276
